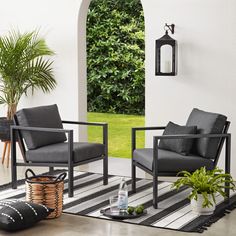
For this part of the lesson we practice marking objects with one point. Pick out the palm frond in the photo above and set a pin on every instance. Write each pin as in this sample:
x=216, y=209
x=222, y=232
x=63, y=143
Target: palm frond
x=23, y=65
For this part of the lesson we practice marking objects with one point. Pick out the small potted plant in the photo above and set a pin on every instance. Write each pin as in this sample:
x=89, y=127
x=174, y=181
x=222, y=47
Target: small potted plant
x=205, y=184
x=24, y=66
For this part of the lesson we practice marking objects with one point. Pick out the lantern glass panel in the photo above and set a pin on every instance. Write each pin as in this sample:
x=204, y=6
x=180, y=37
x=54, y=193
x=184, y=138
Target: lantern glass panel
x=166, y=59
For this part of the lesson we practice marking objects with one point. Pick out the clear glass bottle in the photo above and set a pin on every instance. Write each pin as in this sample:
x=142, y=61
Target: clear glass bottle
x=123, y=196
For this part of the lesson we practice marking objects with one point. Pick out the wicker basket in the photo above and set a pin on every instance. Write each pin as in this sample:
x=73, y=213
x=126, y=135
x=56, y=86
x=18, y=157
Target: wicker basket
x=46, y=190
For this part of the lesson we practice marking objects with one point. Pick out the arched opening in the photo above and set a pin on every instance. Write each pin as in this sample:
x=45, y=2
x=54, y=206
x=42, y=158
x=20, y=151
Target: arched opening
x=115, y=70
x=82, y=67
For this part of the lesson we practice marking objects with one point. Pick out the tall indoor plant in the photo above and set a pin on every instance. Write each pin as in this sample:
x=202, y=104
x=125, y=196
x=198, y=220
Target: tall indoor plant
x=23, y=67
x=205, y=184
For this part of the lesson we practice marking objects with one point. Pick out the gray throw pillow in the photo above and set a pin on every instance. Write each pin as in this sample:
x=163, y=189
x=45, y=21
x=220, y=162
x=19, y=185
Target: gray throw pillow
x=43, y=116
x=181, y=146
x=207, y=123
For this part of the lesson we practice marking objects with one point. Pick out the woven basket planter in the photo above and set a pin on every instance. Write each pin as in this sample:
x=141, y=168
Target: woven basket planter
x=46, y=190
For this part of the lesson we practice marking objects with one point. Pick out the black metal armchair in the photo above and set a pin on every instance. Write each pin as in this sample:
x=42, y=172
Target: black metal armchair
x=161, y=162
x=41, y=129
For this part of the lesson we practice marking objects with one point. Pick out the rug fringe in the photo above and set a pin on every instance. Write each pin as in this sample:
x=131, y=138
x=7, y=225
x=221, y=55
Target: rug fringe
x=214, y=218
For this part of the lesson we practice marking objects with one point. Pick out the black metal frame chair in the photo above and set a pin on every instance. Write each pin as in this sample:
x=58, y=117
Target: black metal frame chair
x=224, y=136
x=15, y=131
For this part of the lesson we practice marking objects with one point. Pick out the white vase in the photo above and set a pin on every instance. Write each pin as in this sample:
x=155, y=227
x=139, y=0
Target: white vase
x=199, y=209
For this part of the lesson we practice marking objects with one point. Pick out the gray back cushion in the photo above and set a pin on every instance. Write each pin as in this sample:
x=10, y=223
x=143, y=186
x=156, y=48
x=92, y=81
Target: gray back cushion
x=44, y=116
x=207, y=123
x=181, y=146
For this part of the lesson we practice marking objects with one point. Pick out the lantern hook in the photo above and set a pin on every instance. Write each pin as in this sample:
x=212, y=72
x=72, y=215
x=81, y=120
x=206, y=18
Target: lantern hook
x=170, y=28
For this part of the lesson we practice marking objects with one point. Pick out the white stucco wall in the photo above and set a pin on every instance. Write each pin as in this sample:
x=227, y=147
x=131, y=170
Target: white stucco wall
x=206, y=34
x=56, y=20
x=61, y=23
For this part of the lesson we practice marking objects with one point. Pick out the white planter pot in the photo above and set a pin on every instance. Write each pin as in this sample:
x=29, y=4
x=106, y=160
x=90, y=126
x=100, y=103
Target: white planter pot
x=197, y=206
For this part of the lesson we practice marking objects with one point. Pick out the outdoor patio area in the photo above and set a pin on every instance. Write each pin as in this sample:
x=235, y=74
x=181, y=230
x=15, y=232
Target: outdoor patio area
x=117, y=117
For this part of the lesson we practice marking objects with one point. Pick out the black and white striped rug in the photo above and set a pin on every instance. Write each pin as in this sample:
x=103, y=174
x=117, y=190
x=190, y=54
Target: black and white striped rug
x=173, y=212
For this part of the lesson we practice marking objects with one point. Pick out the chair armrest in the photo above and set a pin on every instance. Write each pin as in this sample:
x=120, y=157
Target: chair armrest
x=149, y=128
x=104, y=125
x=188, y=136
x=135, y=129
x=84, y=123
x=226, y=136
x=185, y=136
x=42, y=129
x=14, y=128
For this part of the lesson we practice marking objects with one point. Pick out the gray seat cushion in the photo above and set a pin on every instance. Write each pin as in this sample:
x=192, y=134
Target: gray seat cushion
x=181, y=146
x=44, y=116
x=171, y=161
x=58, y=153
x=207, y=123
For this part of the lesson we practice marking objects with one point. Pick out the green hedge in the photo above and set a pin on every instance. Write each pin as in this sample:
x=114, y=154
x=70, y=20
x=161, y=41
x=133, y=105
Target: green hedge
x=115, y=56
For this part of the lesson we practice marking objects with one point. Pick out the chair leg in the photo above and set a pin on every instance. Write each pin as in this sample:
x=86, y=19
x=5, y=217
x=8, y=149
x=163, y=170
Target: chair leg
x=133, y=171
x=8, y=153
x=227, y=165
x=4, y=152
x=155, y=172
x=13, y=165
x=51, y=169
x=155, y=191
x=105, y=170
x=70, y=181
x=14, y=178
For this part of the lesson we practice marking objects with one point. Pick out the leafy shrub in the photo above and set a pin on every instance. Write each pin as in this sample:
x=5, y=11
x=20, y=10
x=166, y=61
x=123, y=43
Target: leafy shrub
x=115, y=56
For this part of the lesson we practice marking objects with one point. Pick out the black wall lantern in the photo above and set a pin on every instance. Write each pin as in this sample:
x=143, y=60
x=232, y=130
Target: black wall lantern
x=166, y=53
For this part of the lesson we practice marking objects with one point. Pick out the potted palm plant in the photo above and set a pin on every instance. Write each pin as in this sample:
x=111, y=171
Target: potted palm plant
x=205, y=184
x=23, y=68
